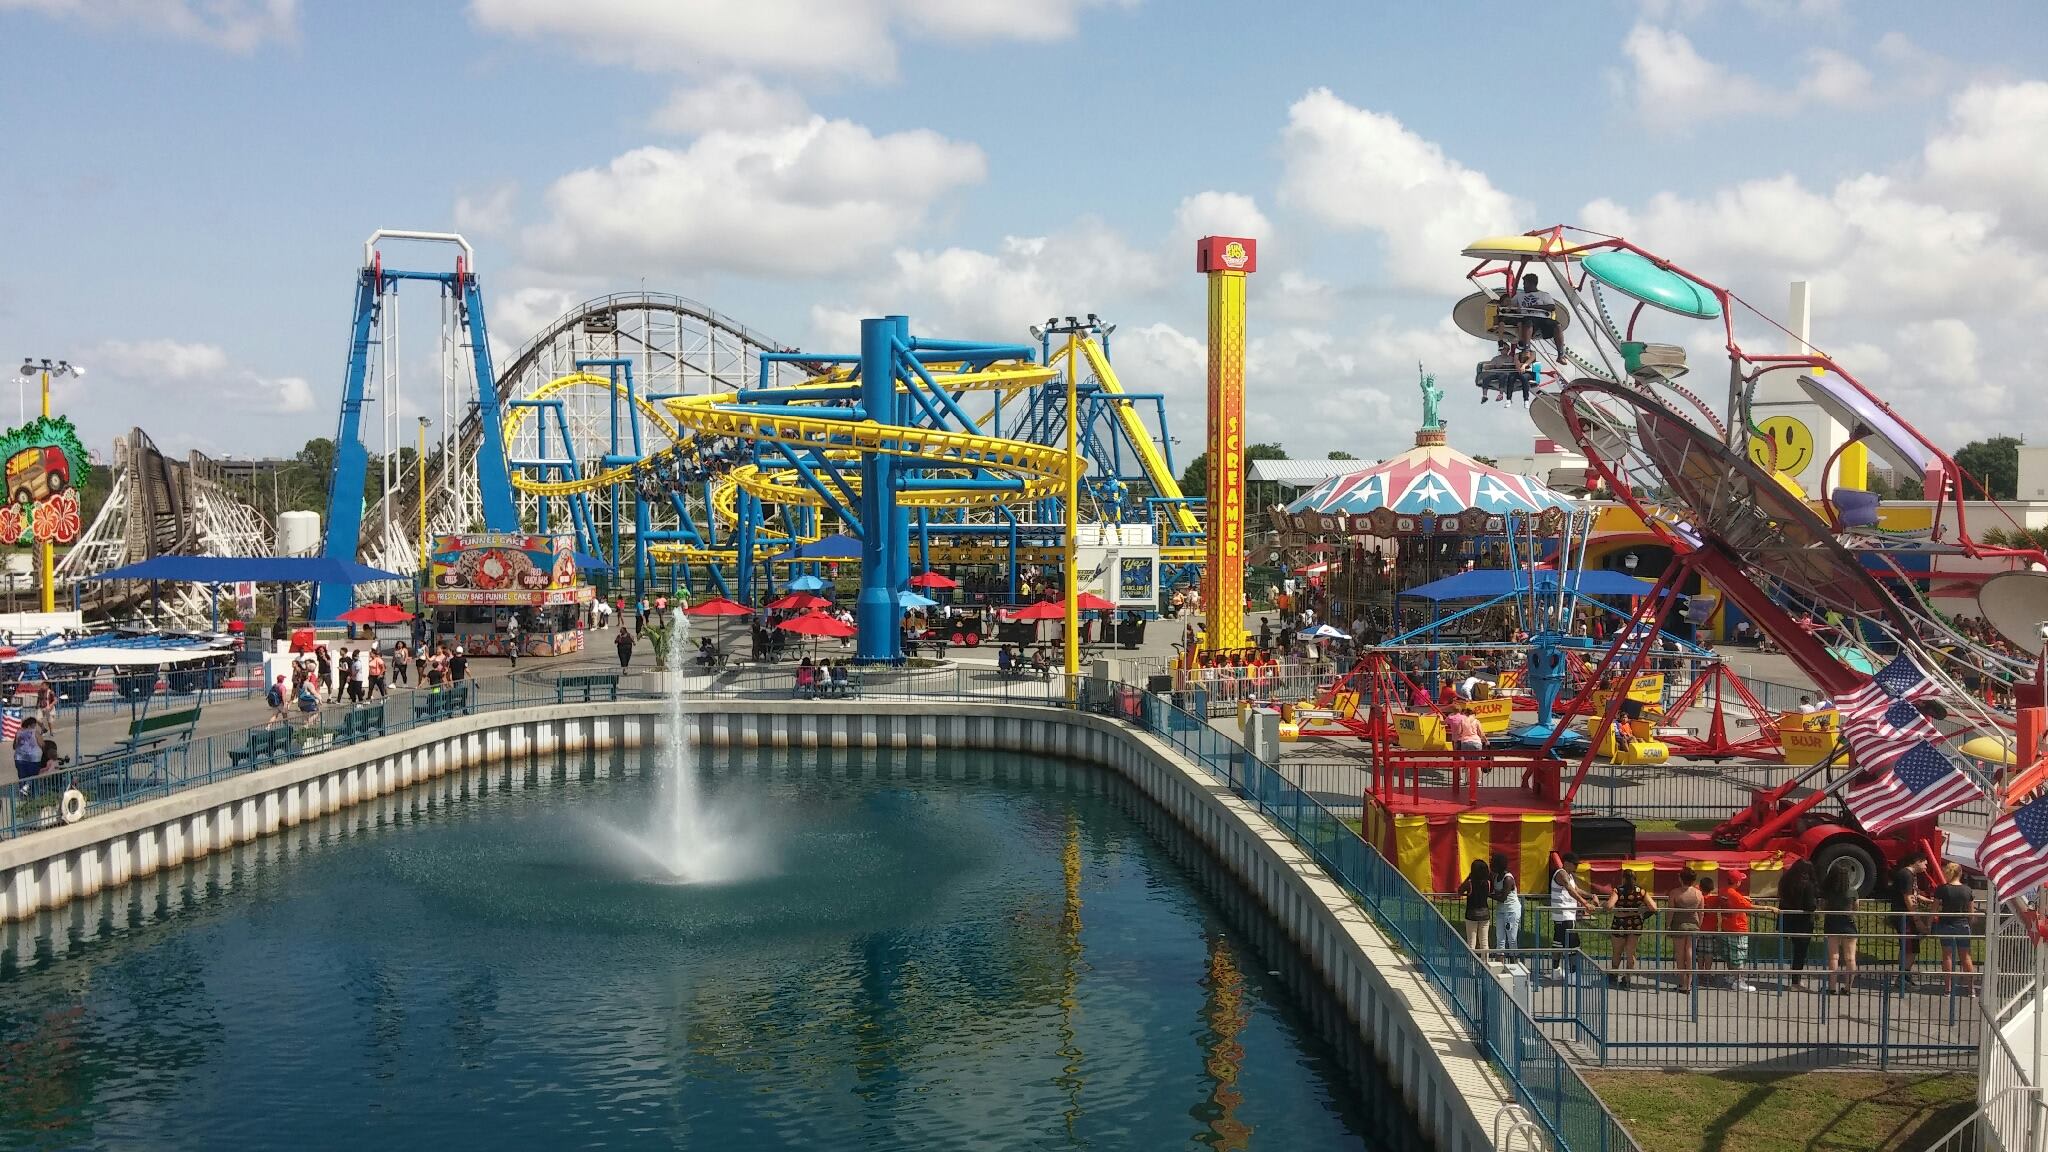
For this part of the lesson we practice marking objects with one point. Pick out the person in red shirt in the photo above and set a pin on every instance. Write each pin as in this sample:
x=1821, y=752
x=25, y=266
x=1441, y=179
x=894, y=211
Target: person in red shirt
x=1446, y=694
x=1728, y=917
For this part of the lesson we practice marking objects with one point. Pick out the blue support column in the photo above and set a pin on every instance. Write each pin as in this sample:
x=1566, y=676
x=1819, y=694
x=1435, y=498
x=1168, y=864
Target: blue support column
x=493, y=475
x=351, y=459
x=876, y=609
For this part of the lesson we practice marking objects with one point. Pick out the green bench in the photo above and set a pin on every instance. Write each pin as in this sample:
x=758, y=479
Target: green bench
x=150, y=731
x=588, y=685
x=361, y=724
x=440, y=704
x=263, y=744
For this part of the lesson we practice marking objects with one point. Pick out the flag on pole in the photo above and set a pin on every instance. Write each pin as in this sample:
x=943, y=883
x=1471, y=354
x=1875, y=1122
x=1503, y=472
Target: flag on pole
x=1882, y=735
x=1923, y=782
x=1899, y=680
x=2015, y=851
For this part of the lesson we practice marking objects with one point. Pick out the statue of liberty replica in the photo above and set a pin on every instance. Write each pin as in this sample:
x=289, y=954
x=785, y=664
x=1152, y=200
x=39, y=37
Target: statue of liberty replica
x=1431, y=397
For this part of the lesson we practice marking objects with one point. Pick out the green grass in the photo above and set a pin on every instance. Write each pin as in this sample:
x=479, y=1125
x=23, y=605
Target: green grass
x=1785, y=1112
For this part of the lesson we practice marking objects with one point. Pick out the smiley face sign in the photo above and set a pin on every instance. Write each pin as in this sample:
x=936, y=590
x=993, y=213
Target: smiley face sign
x=1783, y=443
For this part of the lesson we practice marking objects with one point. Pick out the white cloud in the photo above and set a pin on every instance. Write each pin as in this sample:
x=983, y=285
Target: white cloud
x=287, y=393
x=1218, y=214
x=843, y=37
x=1990, y=154
x=1359, y=170
x=1672, y=86
x=489, y=214
x=158, y=359
x=738, y=103
x=237, y=26
x=816, y=198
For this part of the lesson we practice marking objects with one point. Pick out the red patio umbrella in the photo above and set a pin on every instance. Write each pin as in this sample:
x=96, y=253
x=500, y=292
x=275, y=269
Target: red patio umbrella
x=718, y=606
x=1090, y=602
x=1043, y=610
x=797, y=601
x=933, y=580
x=817, y=624
x=376, y=614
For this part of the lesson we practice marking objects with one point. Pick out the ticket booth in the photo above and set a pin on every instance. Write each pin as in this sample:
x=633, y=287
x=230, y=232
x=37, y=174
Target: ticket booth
x=483, y=586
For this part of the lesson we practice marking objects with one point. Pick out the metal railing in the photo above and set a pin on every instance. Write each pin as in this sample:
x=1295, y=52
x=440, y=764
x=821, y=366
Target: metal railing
x=1542, y=1079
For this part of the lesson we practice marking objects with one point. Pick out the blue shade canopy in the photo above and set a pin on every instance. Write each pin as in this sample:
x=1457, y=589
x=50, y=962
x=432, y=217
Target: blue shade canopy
x=838, y=547
x=1486, y=583
x=804, y=584
x=911, y=599
x=588, y=563
x=258, y=569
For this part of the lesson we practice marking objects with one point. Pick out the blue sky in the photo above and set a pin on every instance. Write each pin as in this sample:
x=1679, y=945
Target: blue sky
x=193, y=180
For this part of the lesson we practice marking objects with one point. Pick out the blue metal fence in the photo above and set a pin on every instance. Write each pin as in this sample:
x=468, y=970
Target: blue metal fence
x=1543, y=1079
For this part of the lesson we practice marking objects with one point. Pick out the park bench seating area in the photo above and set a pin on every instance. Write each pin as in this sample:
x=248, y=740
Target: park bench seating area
x=586, y=688
x=264, y=744
x=149, y=731
x=441, y=705
x=361, y=724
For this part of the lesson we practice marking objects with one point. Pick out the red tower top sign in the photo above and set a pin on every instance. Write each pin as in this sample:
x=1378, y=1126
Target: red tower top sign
x=1226, y=254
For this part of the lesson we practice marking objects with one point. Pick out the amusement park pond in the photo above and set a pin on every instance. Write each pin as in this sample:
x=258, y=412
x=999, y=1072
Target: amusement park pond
x=953, y=960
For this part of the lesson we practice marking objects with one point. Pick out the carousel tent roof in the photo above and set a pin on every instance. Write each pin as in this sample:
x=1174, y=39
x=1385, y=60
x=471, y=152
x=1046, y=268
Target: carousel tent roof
x=1486, y=583
x=1430, y=478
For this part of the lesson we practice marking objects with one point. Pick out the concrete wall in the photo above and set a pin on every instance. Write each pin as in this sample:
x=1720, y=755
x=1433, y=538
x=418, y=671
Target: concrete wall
x=1398, y=1015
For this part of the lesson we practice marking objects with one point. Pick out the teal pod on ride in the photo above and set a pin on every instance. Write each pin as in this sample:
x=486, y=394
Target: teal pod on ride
x=1633, y=275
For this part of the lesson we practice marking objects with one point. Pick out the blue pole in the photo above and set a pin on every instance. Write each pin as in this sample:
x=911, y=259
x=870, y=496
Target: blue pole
x=875, y=611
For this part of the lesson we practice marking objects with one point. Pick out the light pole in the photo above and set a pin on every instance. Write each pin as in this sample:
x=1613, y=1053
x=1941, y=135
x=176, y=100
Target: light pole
x=420, y=462
x=21, y=384
x=48, y=547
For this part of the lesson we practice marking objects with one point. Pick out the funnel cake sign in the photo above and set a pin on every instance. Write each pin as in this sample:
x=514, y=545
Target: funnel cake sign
x=44, y=464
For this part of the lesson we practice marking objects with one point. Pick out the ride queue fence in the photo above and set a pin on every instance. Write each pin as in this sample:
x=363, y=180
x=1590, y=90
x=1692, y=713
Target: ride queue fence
x=1543, y=1080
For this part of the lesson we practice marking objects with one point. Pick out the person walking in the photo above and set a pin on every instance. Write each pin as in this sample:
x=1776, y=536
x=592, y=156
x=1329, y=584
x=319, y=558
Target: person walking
x=1507, y=907
x=1478, y=893
x=458, y=665
x=28, y=752
x=512, y=641
x=376, y=680
x=46, y=702
x=1838, y=923
x=624, y=642
x=1798, y=901
x=1686, y=911
x=401, y=659
x=359, y=677
x=278, y=696
x=323, y=662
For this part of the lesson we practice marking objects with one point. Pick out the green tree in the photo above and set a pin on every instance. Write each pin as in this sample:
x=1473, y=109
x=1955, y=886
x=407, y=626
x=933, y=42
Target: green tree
x=1194, y=479
x=1994, y=465
x=1339, y=454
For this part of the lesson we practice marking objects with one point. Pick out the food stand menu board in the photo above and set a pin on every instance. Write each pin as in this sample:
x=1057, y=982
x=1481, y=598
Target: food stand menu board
x=479, y=582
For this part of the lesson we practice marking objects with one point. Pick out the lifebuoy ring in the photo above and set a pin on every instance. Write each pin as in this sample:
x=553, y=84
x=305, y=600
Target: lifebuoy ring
x=72, y=806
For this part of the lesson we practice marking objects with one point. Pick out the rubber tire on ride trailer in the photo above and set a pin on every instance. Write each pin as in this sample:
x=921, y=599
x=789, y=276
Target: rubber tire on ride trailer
x=1846, y=848
x=973, y=640
x=959, y=639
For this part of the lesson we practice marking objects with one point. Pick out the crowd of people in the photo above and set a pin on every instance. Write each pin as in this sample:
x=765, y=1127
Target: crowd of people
x=1709, y=921
x=357, y=675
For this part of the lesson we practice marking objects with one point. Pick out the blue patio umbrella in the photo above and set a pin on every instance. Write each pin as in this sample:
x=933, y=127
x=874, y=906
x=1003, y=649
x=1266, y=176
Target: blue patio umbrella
x=805, y=584
x=910, y=599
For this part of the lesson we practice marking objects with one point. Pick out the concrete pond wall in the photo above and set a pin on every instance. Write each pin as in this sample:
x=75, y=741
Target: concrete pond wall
x=1455, y=1097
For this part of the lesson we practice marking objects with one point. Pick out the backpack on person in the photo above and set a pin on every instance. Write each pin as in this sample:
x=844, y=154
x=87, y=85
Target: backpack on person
x=275, y=697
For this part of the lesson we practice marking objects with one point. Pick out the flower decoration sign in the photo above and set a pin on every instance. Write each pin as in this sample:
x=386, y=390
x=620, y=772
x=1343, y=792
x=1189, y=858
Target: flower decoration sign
x=44, y=464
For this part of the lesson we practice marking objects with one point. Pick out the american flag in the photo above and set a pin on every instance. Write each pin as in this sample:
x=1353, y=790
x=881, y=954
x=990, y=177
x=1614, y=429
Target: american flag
x=2015, y=851
x=1924, y=782
x=1882, y=735
x=10, y=724
x=1899, y=680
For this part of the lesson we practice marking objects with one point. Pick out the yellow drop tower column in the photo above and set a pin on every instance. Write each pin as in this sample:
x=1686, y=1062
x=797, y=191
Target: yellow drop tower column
x=1226, y=260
